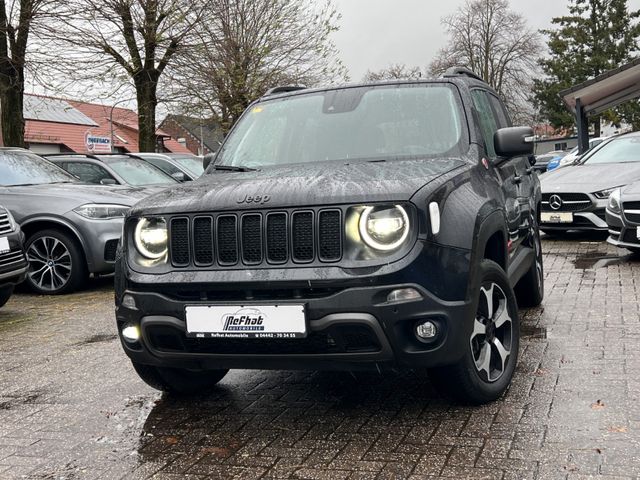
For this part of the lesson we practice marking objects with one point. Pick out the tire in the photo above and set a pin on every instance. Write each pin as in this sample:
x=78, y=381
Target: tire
x=5, y=295
x=179, y=381
x=69, y=269
x=530, y=289
x=473, y=380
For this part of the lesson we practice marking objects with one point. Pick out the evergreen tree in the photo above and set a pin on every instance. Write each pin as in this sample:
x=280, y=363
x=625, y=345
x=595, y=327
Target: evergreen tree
x=596, y=36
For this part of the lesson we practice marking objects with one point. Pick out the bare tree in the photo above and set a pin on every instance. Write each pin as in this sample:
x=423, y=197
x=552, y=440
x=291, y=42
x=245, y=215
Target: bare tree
x=245, y=47
x=497, y=44
x=395, y=71
x=125, y=41
x=18, y=20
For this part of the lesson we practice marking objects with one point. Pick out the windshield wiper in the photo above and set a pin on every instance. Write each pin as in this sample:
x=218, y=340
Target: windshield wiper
x=234, y=168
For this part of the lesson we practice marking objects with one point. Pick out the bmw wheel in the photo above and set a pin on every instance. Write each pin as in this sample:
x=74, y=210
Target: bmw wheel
x=486, y=370
x=56, y=263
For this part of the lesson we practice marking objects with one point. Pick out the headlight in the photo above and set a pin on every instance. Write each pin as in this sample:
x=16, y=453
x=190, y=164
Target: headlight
x=615, y=202
x=99, y=211
x=150, y=237
x=602, y=194
x=384, y=228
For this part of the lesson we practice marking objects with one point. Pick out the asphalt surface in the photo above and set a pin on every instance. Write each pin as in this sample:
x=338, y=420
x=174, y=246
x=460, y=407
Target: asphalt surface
x=72, y=407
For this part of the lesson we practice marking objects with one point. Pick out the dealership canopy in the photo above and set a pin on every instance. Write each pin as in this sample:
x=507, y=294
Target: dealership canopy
x=601, y=93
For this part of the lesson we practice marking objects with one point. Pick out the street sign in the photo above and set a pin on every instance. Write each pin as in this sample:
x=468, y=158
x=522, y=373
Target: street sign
x=97, y=144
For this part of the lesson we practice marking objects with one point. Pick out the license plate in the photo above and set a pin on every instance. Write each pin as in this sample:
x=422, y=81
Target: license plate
x=246, y=321
x=4, y=245
x=556, y=217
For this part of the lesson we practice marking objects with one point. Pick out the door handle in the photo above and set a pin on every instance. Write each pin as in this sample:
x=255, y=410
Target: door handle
x=529, y=170
x=517, y=179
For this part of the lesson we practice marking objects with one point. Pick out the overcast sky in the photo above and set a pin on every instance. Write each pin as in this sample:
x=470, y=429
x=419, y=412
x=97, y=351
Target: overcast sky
x=376, y=33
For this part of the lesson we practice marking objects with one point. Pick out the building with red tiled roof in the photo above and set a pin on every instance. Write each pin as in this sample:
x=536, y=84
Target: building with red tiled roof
x=60, y=125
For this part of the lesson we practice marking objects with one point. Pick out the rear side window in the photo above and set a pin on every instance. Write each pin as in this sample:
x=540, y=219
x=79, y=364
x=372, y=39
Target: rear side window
x=166, y=167
x=87, y=172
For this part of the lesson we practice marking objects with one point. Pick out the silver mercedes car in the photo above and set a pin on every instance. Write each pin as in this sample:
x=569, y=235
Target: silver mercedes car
x=71, y=229
x=575, y=197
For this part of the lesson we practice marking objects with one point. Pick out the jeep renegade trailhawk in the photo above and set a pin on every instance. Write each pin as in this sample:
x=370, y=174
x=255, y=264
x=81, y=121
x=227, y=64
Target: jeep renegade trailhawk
x=378, y=226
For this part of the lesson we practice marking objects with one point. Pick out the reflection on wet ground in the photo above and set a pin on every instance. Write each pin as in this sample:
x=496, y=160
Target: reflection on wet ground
x=595, y=260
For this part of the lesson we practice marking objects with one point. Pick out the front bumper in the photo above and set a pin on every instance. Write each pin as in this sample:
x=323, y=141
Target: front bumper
x=591, y=218
x=621, y=233
x=13, y=264
x=354, y=328
x=100, y=240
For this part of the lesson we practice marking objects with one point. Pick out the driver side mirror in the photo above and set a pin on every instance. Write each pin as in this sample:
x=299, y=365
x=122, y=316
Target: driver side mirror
x=514, y=142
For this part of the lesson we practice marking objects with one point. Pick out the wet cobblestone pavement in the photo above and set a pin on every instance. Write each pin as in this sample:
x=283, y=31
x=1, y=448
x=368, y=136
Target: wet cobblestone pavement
x=72, y=407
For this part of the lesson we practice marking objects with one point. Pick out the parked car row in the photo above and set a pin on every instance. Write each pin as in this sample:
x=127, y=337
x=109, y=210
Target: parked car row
x=600, y=192
x=61, y=218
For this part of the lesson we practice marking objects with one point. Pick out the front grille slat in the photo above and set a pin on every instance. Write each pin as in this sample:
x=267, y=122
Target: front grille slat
x=251, y=238
x=256, y=238
x=179, y=241
x=5, y=225
x=227, y=240
x=203, y=240
x=302, y=236
x=330, y=235
x=277, y=238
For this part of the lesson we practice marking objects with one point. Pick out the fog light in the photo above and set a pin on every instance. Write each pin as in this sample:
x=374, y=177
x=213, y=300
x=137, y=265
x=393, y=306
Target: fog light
x=129, y=302
x=131, y=333
x=404, y=295
x=426, y=330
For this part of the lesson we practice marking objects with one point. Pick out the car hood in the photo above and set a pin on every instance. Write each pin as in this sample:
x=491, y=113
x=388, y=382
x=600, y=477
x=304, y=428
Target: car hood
x=589, y=178
x=32, y=201
x=297, y=185
x=121, y=195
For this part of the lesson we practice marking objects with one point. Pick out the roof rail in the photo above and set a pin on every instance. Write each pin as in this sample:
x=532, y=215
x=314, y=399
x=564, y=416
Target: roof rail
x=283, y=89
x=462, y=71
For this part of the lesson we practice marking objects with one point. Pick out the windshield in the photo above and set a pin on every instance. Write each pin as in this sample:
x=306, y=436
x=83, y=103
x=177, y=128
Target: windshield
x=24, y=168
x=369, y=123
x=190, y=163
x=137, y=172
x=617, y=150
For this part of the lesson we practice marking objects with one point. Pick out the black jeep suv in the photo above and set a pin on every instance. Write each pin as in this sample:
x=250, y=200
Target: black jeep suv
x=370, y=226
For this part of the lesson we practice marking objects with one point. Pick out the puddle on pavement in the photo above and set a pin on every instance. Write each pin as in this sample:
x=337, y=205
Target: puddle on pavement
x=595, y=260
x=533, y=333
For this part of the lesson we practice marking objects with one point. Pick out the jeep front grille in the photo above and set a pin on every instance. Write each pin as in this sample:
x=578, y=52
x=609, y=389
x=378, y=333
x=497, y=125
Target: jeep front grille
x=256, y=238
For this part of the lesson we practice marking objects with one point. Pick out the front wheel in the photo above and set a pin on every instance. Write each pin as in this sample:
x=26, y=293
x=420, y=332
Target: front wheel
x=179, y=381
x=56, y=263
x=5, y=294
x=485, y=371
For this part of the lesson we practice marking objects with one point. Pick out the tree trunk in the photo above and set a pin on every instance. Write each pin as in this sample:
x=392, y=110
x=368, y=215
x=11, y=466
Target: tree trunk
x=147, y=102
x=11, y=105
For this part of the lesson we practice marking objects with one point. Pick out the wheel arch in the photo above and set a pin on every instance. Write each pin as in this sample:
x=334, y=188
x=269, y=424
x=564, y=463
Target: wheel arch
x=490, y=243
x=36, y=224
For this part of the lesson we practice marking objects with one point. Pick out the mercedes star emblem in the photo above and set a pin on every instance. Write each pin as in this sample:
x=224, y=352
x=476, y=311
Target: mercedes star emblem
x=555, y=202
